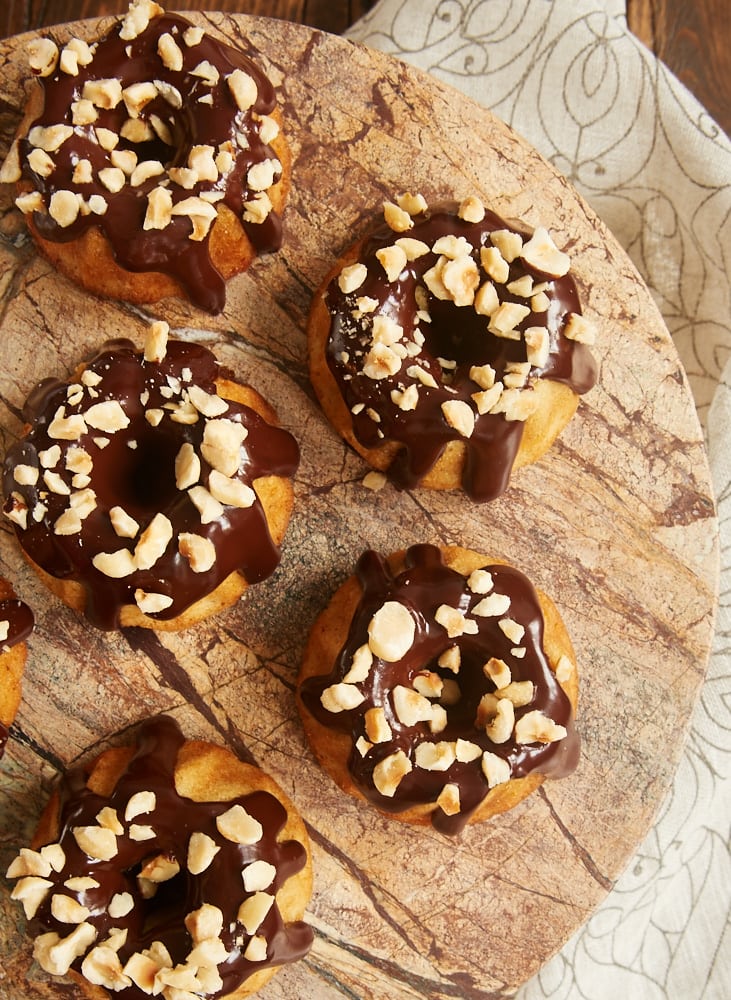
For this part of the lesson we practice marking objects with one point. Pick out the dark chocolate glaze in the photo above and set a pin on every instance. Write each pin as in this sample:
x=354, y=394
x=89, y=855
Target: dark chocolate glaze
x=169, y=250
x=174, y=819
x=455, y=333
x=20, y=621
x=424, y=584
x=136, y=470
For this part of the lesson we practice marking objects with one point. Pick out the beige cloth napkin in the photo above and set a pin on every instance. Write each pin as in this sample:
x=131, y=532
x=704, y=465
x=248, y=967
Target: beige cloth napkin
x=570, y=77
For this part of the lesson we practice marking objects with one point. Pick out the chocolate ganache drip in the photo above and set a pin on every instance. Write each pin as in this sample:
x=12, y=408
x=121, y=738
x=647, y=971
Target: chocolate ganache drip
x=404, y=344
x=454, y=714
x=155, y=97
x=99, y=471
x=134, y=909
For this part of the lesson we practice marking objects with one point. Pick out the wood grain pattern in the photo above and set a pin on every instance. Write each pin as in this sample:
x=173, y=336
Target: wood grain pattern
x=616, y=524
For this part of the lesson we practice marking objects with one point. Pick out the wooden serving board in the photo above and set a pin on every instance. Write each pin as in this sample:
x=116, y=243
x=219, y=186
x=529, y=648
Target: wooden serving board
x=616, y=524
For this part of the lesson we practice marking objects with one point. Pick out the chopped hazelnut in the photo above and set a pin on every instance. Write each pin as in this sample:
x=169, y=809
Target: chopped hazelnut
x=535, y=727
x=391, y=631
x=202, y=849
x=387, y=774
x=238, y=826
x=496, y=769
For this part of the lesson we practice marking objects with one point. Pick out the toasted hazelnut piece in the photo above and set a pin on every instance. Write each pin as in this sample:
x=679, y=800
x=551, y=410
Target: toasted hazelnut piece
x=516, y=404
x=471, y=209
x=151, y=604
x=120, y=905
x=18, y=510
x=461, y=278
x=159, y=211
x=67, y=910
x=396, y=218
x=200, y=213
x=68, y=523
x=486, y=299
x=453, y=247
x=460, y=416
x=102, y=967
x=153, y=542
x=376, y=726
x=465, y=751
x=360, y=665
x=393, y=260
x=454, y=621
x=508, y=243
x=256, y=950
x=49, y=138
x=492, y=605
x=448, y=800
x=64, y=208
x=115, y=564
x=42, y=56
x=207, y=506
x=494, y=264
x=193, y=36
x=108, y=818
x=407, y=400
x=170, y=52
x=41, y=163
x=230, y=492
x=421, y=376
x=201, y=160
x=578, y=328
x=107, y=139
x=81, y=883
x=414, y=204
x=96, y=842
x=204, y=923
x=140, y=803
x=107, y=416
x=142, y=970
x=564, y=670
x=112, y=178
x=208, y=404
x=55, y=954
x=221, y=445
x=200, y=552
x=258, y=208
x=29, y=862
x=253, y=911
x=30, y=202
x=145, y=170
x=540, y=302
x=412, y=248
x=202, y=849
x=435, y=756
x=428, y=683
x=387, y=774
x=31, y=891
x=25, y=475
x=362, y=745
x=498, y=671
x=386, y=331
x=187, y=466
x=541, y=253
x=538, y=344
x=433, y=280
x=83, y=113
x=512, y=630
x=160, y=868
x=391, y=631
x=535, y=727
x=480, y=581
x=381, y=362
x=496, y=769
x=258, y=875
x=499, y=728
x=11, y=170
x=262, y=175
x=243, y=89
x=139, y=15
x=139, y=832
x=238, y=826
x=341, y=697
x=410, y=706
x=450, y=659
x=104, y=94
x=207, y=72
x=506, y=318
x=519, y=692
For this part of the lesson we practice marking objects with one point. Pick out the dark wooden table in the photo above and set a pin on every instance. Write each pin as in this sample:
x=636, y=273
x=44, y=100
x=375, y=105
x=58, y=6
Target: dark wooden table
x=692, y=38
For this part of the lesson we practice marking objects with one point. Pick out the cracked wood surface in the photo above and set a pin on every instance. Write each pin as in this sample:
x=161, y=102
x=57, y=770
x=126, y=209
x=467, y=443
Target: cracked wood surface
x=616, y=524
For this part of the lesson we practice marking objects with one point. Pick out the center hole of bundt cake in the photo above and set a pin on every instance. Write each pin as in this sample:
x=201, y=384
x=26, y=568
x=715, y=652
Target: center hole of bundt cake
x=460, y=334
x=139, y=473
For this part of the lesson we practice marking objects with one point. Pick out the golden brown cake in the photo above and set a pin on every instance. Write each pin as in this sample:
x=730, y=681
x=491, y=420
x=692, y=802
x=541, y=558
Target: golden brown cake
x=440, y=686
x=150, y=489
x=448, y=348
x=167, y=868
x=16, y=624
x=151, y=162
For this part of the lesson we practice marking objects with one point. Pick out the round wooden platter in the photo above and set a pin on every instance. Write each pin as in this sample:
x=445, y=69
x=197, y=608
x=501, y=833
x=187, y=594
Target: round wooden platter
x=616, y=523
